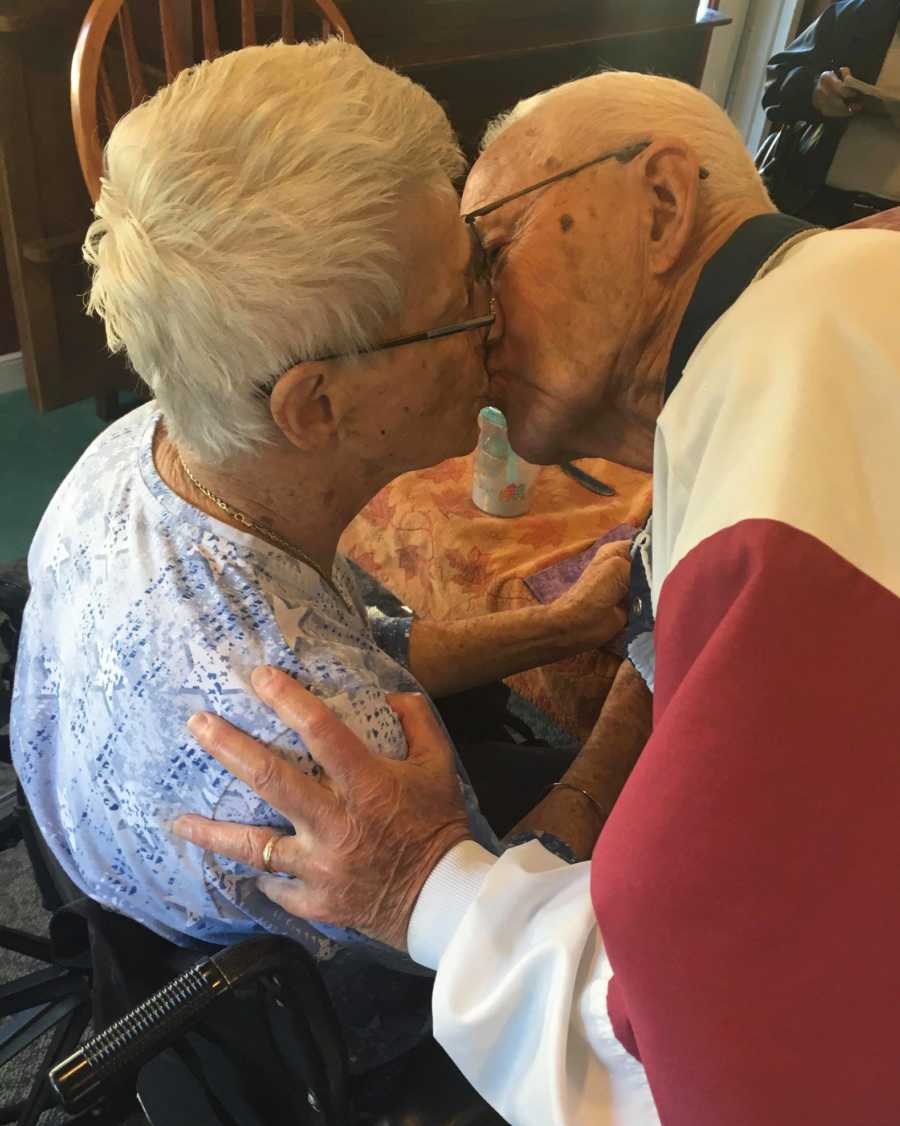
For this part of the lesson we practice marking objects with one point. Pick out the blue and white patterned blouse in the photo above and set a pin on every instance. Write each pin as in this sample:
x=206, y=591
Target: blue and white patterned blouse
x=143, y=611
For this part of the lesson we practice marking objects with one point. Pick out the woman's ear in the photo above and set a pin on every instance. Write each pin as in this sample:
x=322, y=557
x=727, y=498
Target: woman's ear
x=302, y=408
x=671, y=177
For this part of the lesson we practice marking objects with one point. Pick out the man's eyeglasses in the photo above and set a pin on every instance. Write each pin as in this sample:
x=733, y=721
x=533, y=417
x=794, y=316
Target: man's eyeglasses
x=623, y=156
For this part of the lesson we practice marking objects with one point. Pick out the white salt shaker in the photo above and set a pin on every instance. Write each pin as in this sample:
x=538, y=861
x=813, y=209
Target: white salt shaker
x=502, y=482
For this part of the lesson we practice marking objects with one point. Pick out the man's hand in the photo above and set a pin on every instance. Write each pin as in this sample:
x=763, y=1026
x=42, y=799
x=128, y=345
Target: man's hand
x=832, y=98
x=593, y=608
x=601, y=768
x=367, y=833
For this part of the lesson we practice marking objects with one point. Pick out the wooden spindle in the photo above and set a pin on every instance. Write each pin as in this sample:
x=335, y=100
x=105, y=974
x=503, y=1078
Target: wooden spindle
x=132, y=62
x=248, y=23
x=107, y=99
x=210, y=30
x=288, y=32
x=175, y=61
x=333, y=22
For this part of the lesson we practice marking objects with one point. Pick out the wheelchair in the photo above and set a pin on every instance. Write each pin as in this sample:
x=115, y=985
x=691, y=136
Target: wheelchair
x=243, y=1035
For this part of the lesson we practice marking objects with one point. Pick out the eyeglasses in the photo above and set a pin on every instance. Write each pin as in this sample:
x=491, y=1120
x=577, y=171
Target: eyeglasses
x=416, y=338
x=623, y=156
x=419, y=337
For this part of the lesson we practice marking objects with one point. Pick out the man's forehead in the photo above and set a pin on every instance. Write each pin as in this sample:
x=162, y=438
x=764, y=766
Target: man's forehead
x=508, y=163
x=528, y=151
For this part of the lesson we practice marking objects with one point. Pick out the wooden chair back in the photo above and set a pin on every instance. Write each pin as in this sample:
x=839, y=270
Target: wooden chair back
x=110, y=75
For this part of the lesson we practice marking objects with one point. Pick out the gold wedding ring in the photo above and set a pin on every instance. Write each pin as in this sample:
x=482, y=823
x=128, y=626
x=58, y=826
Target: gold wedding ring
x=267, y=851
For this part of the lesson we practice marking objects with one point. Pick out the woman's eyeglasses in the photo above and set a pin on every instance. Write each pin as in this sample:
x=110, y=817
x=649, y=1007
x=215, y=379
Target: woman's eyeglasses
x=420, y=337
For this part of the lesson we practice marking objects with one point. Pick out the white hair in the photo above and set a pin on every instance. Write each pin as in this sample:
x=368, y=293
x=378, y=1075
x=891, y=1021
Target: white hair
x=244, y=224
x=618, y=108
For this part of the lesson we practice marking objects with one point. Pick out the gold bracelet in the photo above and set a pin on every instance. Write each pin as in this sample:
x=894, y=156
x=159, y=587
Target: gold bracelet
x=578, y=790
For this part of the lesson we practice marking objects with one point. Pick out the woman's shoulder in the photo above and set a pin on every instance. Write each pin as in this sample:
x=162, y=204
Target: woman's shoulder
x=98, y=484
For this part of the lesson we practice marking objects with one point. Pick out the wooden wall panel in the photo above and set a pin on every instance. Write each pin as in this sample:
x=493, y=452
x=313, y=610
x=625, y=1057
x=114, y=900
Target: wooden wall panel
x=476, y=89
x=9, y=334
x=44, y=207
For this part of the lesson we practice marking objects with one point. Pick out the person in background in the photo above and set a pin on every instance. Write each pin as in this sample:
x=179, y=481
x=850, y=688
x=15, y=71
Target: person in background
x=850, y=166
x=729, y=957
x=270, y=226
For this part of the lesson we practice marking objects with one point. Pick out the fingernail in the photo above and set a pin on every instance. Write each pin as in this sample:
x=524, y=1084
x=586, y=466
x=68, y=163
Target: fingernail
x=269, y=886
x=261, y=678
x=198, y=723
x=183, y=827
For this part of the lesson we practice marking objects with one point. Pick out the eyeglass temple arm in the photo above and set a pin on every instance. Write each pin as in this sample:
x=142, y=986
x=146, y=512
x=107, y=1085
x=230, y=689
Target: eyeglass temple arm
x=623, y=156
x=463, y=326
x=418, y=338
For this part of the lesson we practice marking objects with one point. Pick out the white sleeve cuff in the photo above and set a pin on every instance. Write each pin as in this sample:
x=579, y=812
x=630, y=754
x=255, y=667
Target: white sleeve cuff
x=447, y=894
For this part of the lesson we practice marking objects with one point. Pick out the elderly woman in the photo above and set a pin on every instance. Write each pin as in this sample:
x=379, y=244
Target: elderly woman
x=273, y=228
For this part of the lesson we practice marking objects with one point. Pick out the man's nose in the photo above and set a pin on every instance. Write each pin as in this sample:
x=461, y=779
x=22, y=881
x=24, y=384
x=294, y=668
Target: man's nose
x=495, y=332
x=484, y=294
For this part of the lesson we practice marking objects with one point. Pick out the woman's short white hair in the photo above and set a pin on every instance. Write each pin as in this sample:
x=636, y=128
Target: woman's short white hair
x=621, y=107
x=244, y=223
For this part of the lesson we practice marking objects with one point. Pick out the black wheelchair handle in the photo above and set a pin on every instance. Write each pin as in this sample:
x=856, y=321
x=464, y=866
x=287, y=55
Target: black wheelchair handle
x=139, y=1035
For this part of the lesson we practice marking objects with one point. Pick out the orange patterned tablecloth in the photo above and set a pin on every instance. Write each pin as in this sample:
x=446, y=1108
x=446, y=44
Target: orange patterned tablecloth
x=424, y=539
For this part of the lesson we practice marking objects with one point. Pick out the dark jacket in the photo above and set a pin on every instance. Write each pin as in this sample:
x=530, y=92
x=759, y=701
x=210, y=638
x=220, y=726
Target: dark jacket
x=855, y=34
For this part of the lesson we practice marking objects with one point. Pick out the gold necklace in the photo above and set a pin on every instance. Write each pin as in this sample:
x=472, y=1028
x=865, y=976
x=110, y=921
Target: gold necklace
x=264, y=532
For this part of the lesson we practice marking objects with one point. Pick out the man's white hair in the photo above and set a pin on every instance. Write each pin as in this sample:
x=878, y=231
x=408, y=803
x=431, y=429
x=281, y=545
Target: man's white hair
x=244, y=223
x=618, y=108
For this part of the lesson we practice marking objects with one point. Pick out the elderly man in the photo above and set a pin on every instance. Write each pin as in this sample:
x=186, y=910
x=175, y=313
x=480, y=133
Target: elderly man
x=737, y=930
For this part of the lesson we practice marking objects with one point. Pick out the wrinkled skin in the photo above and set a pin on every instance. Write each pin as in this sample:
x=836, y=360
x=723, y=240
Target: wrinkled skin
x=591, y=277
x=386, y=822
x=371, y=829
x=596, y=602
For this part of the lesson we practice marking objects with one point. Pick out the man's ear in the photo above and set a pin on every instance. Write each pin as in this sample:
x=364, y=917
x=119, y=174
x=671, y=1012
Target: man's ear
x=302, y=408
x=671, y=177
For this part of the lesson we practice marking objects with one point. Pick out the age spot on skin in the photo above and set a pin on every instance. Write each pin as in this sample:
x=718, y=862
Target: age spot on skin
x=566, y=223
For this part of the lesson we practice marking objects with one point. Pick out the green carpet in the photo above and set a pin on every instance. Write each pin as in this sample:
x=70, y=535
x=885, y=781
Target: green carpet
x=38, y=450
